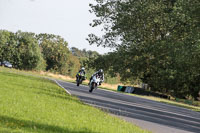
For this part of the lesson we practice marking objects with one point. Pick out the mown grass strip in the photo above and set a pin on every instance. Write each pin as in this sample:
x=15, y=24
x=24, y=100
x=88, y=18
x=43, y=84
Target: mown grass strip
x=37, y=105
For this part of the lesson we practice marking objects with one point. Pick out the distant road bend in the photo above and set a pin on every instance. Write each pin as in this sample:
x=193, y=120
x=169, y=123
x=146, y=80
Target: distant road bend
x=147, y=114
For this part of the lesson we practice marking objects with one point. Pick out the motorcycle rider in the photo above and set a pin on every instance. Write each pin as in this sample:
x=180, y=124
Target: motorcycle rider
x=100, y=74
x=82, y=70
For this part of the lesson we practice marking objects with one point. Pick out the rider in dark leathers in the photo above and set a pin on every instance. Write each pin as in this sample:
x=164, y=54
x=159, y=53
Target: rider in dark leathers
x=81, y=70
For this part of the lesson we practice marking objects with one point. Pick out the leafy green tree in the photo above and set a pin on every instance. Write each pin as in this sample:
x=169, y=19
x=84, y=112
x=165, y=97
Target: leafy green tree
x=21, y=49
x=157, y=41
x=7, y=45
x=74, y=65
x=55, y=51
x=27, y=53
x=84, y=53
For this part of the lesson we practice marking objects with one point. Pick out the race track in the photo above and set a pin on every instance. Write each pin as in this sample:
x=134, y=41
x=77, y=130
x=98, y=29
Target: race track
x=147, y=114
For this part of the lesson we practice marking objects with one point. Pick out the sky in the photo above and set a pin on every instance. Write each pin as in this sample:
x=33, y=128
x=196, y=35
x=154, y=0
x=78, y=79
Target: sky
x=68, y=18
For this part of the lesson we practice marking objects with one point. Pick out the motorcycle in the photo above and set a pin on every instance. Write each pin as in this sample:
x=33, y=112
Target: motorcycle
x=79, y=78
x=94, y=83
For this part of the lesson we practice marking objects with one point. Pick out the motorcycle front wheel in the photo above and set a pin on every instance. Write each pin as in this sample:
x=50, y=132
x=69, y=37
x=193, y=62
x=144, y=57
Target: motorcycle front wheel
x=92, y=87
x=77, y=82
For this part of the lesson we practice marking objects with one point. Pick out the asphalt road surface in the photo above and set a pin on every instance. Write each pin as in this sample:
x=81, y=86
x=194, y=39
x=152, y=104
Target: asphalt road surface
x=147, y=114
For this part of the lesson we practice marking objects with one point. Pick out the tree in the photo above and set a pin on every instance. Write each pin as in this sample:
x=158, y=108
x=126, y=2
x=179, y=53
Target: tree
x=7, y=45
x=74, y=65
x=55, y=51
x=28, y=55
x=21, y=49
x=157, y=41
x=84, y=53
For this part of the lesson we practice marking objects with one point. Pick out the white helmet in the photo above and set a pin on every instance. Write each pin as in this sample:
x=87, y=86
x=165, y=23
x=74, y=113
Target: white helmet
x=100, y=71
x=82, y=68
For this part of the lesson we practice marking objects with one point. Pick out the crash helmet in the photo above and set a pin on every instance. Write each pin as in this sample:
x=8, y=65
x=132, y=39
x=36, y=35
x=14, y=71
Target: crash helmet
x=83, y=68
x=100, y=71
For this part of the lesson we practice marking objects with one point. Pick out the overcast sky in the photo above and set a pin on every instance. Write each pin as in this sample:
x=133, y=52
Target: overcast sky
x=68, y=18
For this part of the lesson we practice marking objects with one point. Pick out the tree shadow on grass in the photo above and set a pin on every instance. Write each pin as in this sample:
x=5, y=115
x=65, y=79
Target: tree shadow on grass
x=31, y=126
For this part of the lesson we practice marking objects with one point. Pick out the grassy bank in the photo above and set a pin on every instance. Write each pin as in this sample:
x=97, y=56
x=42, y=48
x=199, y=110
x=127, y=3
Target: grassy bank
x=32, y=104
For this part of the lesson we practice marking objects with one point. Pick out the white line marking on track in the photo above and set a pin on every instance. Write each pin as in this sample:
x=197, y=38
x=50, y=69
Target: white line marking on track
x=63, y=87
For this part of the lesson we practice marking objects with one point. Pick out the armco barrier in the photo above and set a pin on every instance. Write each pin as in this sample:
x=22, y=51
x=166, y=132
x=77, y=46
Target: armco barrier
x=121, y=88
x=140, y=91
x=127, y=89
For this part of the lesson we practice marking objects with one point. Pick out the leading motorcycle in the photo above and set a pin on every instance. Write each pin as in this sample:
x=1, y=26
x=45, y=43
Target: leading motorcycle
x=94, y=83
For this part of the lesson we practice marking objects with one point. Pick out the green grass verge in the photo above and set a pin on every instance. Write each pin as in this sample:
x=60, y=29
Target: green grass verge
x=37, y=105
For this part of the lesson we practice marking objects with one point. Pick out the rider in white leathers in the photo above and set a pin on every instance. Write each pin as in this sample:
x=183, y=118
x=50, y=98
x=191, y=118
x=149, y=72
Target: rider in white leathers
x=100, y=74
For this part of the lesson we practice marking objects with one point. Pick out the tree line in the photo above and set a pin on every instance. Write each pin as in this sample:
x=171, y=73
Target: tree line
x=91, y=61
x=157, y=42
x=30, y=51
x=43, y=52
